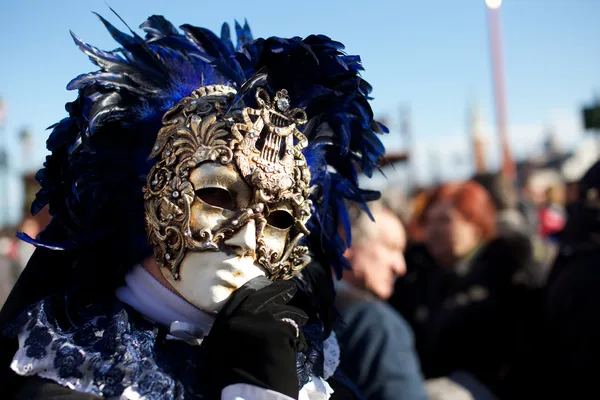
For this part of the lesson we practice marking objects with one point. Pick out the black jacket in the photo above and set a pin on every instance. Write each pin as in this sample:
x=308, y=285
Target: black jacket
x=564, y=360
x=477, y=321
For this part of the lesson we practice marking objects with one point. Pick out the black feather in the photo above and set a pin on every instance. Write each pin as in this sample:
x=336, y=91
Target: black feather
x=157, y=27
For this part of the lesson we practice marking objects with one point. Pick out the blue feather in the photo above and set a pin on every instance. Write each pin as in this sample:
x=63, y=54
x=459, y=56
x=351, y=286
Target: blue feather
x=259, y=79
x=344, y=221
x=28, y=239
x=157, y=27
x=207, y=41
x=121, y=38
x=226, y=37
x=98, y=57
x=244, y=35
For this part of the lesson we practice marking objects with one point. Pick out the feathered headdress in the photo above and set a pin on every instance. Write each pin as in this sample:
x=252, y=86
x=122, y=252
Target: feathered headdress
x=93, y=178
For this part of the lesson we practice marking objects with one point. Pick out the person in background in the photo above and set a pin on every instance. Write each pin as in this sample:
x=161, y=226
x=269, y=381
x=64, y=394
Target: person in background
x=394, y=199
x=414, y=223
x=528, y=203
x=553, y=215
x=31, y=225
x=377, y=344
x=458, y=293
x=571, y=195
x=564, y=363
x=16, y=253
x=459, y=220
x=512, y=226
x=9, y=273
x=509, y=221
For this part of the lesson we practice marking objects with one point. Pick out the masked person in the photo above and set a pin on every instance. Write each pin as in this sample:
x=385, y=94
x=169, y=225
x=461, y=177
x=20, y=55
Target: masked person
x=189, y=186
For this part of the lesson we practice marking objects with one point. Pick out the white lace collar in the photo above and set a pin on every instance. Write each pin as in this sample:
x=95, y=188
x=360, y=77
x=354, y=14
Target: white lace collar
x=149, y=297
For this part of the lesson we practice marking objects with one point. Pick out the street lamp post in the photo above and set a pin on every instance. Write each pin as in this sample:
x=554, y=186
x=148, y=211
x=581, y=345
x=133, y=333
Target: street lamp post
x=493, y=13
x=4, y=165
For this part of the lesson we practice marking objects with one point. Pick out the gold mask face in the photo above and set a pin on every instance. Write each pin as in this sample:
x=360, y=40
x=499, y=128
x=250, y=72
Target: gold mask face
x=220, y=172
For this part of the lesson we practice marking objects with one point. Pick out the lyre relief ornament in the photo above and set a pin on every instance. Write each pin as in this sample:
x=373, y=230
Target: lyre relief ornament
x=228, y=199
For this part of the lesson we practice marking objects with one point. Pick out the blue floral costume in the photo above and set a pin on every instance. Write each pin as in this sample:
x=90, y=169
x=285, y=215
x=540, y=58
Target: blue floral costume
x=113, y=349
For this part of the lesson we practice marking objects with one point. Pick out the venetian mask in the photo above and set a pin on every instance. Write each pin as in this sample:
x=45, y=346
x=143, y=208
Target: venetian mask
x=228, y=198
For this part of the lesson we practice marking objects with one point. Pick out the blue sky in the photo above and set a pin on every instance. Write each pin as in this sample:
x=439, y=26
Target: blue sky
x=432, y=55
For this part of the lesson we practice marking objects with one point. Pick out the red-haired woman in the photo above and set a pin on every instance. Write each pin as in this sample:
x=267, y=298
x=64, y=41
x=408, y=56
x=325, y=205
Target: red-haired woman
x=459, y=293
x=459, y=219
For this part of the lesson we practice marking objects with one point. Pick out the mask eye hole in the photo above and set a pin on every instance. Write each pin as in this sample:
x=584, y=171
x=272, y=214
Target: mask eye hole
x=216, y=197
x=280, y=219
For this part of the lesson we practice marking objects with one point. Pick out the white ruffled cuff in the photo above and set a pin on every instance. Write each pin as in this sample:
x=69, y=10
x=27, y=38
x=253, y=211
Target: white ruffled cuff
x=243, y=391
x=315, y=389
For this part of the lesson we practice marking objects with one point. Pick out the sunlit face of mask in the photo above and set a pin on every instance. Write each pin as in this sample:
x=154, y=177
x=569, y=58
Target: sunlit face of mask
x=228, y=199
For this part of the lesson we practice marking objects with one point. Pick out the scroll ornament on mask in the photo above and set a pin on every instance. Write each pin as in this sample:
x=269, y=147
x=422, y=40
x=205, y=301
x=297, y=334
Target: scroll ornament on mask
x=202, y=145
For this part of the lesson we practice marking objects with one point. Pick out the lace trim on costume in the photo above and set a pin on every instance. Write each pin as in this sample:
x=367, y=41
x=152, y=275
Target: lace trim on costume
x=105, y=356
x=114, y=352
x=316, y=389
x=331, y=352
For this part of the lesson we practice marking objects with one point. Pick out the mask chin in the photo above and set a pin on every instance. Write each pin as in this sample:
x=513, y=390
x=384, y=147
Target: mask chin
x=207, y=279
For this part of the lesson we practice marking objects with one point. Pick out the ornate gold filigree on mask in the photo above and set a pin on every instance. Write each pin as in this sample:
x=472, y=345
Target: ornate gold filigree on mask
x=252, y=155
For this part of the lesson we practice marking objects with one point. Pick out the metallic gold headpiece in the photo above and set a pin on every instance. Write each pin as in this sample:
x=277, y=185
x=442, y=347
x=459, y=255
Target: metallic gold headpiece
x=252, y=158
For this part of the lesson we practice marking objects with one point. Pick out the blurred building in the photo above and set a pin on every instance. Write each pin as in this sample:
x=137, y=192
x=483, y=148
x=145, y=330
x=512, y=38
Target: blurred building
x=395, y=159
x=549, y=163
x=591, y=117
x=584, y=156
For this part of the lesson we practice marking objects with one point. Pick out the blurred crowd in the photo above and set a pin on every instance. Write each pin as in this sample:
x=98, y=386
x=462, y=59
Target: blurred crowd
x=467, y=290
x=476, y=290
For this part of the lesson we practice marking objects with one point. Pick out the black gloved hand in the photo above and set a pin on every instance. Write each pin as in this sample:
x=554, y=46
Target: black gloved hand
x=251, y=341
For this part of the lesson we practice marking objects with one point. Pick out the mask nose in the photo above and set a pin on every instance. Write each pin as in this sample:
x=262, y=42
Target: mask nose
x=244, y=240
